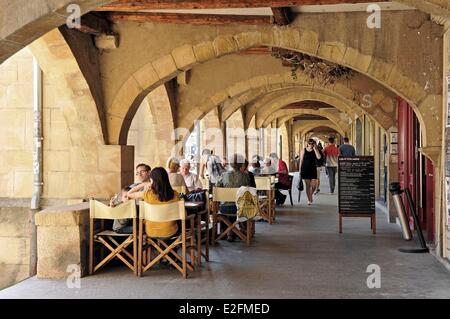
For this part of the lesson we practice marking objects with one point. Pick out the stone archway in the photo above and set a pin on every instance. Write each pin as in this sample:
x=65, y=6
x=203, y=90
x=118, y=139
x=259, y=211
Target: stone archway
x=284, y=115
x=152, y=124
x=301, y=128
x=184, y=57
x=382, y=108
x=79, y=108
x=32, y=20
x=93, y=169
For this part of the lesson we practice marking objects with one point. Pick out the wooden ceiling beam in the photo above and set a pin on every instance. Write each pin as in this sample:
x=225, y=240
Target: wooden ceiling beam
x=180, y=18
x=94, y=24
x=281, y=16
x=135, y=5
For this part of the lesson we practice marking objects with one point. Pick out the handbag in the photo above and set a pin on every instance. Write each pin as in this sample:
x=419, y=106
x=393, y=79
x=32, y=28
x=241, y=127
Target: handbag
x=300, y=185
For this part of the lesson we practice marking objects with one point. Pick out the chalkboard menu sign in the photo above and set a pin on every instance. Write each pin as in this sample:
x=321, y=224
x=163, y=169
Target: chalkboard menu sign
x=356, y=185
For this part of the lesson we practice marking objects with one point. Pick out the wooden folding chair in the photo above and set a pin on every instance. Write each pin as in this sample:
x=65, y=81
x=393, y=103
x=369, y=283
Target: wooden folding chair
x=166, y=246
x=108, y=238
x=206, y=187
x=228, y=195
x=206, y=224
x=288, y=188
x=267, y=204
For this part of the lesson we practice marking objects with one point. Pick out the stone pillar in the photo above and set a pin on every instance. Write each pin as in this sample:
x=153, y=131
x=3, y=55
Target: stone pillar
x=63, y=241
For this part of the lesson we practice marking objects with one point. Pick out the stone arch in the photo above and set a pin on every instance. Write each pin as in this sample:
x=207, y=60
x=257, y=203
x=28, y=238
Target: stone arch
x=301, y=129
x=307, y=41
x=265, y=108
x=33, y=19
x=284, y=115
x=78, y=105
x=155, y=123
x=242, y=93
x=92, y=169
x=232, y=104
x=270, y=104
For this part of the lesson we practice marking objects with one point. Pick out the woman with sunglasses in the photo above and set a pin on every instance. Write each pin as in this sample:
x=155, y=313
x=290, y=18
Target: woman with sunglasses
x=308, y=167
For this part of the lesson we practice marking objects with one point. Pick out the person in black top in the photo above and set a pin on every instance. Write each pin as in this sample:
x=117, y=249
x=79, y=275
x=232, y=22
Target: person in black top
x=308, y=167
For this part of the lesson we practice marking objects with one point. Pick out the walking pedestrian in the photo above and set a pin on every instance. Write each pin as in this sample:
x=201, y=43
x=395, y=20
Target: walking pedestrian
x=346, y=149
x=331, y=153
x=308, y=167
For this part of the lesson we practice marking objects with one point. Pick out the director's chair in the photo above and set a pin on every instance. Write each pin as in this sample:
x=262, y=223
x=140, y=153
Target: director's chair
x=108, y=238
x=165, y=247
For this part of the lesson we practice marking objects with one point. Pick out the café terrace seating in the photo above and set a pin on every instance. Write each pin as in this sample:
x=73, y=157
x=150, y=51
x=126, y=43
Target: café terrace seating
x=184, y=251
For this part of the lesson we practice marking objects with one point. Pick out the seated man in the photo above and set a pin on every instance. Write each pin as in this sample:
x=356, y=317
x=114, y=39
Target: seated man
x=283, y=179
x=233, y=179
x=143, y=176
x=268, y=168
x=255, y=167
x=121, y=226
x=193, y=183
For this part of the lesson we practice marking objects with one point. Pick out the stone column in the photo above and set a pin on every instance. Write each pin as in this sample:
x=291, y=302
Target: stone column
x=63, y=241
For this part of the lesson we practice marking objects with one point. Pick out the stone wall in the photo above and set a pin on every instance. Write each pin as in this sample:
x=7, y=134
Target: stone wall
x=16, y=176
x=151, y=126
x=16, y=121
x=235, y=134
x=14, y=245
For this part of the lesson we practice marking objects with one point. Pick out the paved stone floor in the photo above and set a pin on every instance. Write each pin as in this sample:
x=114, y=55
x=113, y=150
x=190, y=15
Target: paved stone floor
x=300, y=256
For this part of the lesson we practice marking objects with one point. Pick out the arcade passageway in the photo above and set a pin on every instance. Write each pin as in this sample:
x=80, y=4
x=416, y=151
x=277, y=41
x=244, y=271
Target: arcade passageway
x=91, y=89
x=301, y=256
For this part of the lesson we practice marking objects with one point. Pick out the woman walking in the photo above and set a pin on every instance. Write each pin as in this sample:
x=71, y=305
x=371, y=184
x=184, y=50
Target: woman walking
x=308, y=167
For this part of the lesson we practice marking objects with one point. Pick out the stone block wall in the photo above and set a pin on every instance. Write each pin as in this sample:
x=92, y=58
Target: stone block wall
x=73, y=166
x=151, y=130
x=14, y=245
x=235, y=134
x=16, y=121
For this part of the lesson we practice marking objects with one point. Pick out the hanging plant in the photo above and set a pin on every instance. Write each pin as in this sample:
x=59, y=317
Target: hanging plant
x=314, y=67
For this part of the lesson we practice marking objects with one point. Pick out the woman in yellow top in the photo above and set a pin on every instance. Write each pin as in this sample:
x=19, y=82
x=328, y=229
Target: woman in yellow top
x=157, y=191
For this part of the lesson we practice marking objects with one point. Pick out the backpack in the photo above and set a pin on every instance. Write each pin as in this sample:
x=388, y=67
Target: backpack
x=247, y=204
x=216, y=169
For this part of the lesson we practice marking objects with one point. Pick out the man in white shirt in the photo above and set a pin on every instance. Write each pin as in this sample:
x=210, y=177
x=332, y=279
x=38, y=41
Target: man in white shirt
x=268, y=168
x=192, y=181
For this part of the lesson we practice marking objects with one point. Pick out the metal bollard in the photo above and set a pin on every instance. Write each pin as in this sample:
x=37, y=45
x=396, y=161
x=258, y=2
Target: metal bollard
x=396, y=192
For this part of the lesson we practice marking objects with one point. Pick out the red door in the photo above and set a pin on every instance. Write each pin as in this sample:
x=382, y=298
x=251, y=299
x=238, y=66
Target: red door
x=429, y=200
x=404, y=142
x=409, y=169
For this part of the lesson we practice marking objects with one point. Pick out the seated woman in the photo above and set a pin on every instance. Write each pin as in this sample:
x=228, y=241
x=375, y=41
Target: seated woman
x=175, y=178
x=233, y=179
x=159, y=192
